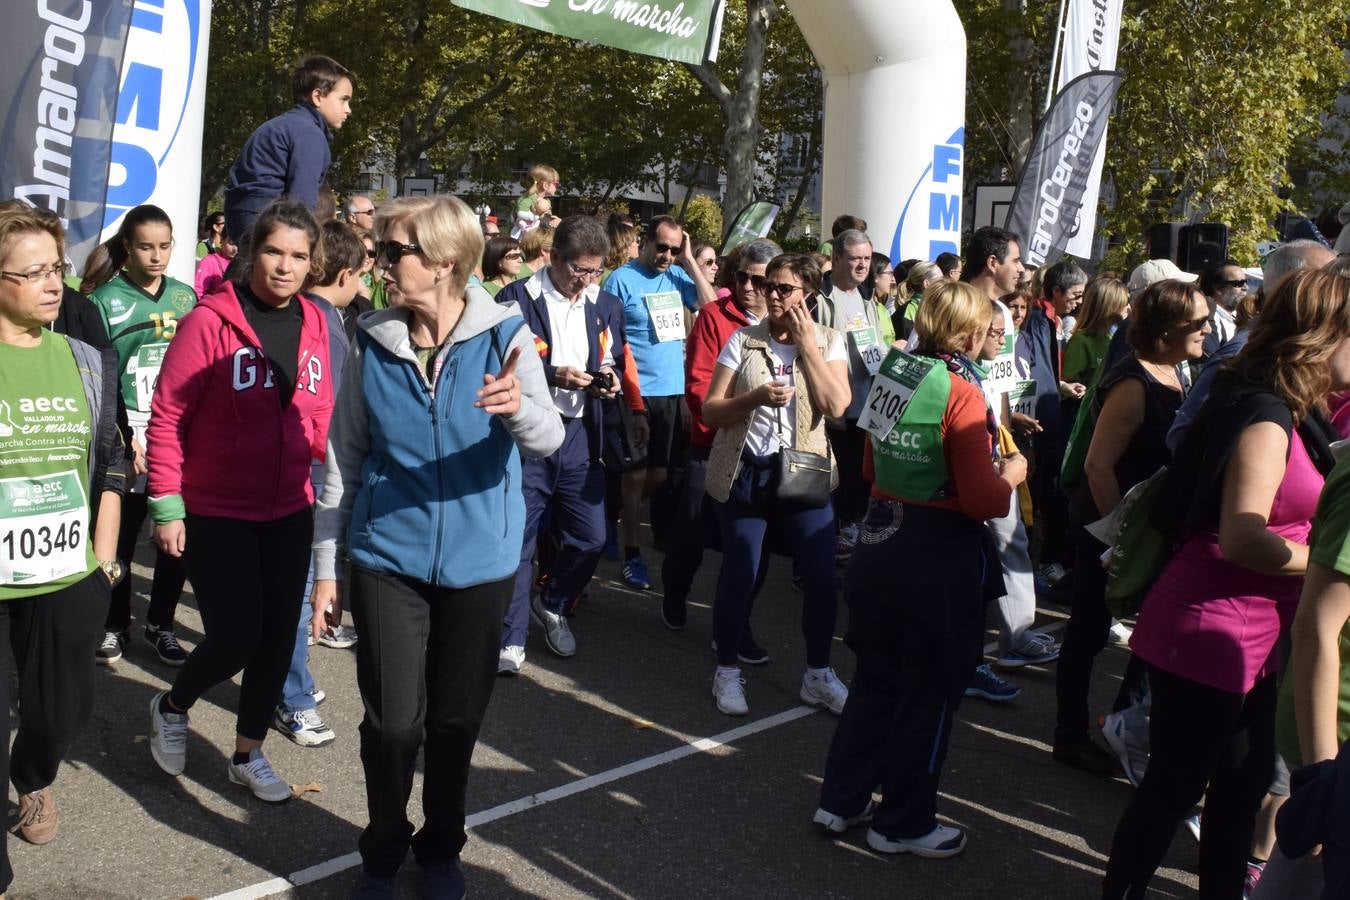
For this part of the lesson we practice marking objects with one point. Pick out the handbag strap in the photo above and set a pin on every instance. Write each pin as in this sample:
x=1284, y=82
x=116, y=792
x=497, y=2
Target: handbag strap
x=777, y=410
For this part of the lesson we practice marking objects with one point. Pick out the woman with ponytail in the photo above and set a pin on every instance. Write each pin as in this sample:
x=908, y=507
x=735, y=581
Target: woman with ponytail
x=140, y=306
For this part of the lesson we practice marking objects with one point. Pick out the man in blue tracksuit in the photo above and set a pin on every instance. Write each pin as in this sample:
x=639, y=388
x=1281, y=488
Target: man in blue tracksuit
x=288, y=155
x=578, y=330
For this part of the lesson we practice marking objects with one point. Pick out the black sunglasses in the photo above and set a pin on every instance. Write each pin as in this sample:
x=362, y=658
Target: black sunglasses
x=394, y=251
x=756, y=281
x=1233, y=283
x=371, y=253
x=667, y=248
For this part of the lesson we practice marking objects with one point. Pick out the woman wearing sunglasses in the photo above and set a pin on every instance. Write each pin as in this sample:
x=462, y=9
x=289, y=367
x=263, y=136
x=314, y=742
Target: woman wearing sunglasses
x=502, y=259
x=774, y=385
x=1136, y=400
x=240, y=410
x=423, y=489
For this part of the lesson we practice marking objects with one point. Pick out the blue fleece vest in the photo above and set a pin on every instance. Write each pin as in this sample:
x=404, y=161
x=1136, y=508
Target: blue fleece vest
x=440, y=496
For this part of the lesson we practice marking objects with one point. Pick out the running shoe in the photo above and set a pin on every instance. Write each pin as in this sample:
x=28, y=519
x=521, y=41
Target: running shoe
x=110, y=651
x=824, y=689
x=443, y=881
x=1255, y=869
x=258, y=777
x=1130, y=747
x=1052, y=574
x=557, y=633
x=1119, y=634
x=728, y=689
x=1193, y=826
x=845, y=543
x=369, y=887
x=168, y=737
x=750, y=653
x=1036, y=650
x=339, y=637
x=1082, y=753
x=510, y=660
x=674, y=612
x=635, y=574
x=304, y=726
x=318, y=695
x=839, y=824
x=943, y=841
x=991, y=687
x=166, y=645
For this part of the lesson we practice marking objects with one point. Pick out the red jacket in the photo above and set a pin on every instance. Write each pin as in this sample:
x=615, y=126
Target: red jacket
x=218, y=434
x=712, y=329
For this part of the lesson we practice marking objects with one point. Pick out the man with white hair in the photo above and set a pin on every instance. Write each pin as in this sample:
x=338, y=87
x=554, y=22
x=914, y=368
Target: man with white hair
x=360, y=211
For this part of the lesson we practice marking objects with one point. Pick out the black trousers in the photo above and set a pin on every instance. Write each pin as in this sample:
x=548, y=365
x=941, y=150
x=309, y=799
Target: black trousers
x=249, y=578
x=426, y=662
x=167, y=585
x=850, y=497
x=50, y=640
x=1199, y=737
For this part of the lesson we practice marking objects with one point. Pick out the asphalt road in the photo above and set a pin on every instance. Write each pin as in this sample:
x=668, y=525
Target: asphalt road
x=609, y=775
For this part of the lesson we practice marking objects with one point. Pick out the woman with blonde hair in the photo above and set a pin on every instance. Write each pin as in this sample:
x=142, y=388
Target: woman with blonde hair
x=919, y=579
x=1106, y=303
x=909, y=295
x=441, y=394
x=1241, y=490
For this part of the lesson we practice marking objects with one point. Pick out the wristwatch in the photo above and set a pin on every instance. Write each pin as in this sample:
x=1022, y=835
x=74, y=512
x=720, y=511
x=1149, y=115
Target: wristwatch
x=112, y=570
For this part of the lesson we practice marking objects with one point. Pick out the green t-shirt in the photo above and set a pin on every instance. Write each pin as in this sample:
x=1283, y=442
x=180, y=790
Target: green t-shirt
x=46, y=436
x=525, y=272
x=1329, y=547
x=1083, y=356
x=140, y=325
x=492, y=287
x=378, y=298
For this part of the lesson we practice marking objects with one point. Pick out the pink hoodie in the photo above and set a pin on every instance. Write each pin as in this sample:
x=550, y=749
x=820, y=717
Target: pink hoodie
x=210, y=272
x=218, y=434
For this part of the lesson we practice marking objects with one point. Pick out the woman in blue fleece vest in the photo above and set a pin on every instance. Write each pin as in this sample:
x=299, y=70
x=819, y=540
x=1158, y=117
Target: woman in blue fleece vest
x=440, y=395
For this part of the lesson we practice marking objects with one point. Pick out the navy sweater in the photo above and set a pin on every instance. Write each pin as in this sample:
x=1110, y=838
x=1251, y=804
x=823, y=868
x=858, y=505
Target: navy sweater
x=287, y=155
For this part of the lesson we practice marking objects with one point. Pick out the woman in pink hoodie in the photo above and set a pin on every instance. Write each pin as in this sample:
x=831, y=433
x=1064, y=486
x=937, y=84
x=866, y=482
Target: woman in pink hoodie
x=240, y=412
x=211, y=267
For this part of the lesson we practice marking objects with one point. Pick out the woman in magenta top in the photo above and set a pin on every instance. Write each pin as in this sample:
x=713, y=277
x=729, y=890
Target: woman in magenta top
x=1250, y=477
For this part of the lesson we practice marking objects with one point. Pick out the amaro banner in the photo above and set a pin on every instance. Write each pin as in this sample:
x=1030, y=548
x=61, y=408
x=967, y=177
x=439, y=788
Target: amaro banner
x=157, y=139
x=683, y=30
x=1047, y=205
x=59, y=61
x=1091, y=39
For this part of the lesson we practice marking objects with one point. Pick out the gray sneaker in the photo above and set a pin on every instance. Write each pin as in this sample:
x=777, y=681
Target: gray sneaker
x=168, y=737
x=556, y=633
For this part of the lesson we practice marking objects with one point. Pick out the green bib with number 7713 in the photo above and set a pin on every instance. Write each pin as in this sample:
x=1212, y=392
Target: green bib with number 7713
x=909, y=463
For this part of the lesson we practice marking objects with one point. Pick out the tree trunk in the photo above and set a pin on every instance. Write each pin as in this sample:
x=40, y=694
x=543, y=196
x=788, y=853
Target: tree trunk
x=741, y=110
x=1021, y=105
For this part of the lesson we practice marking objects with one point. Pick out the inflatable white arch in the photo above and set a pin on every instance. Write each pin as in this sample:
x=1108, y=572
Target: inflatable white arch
x=895, y=101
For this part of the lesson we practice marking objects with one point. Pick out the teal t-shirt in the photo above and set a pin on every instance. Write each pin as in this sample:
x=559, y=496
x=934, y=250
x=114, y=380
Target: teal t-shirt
x=657, y=349
x=46, y=436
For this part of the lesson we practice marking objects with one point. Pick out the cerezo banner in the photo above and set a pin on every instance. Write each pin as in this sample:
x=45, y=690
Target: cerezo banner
x=1046, y=206
x=682, y=30
x=59, y=65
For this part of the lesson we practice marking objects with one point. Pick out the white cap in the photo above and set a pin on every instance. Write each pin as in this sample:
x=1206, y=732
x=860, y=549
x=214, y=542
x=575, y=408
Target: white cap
x=1153, y=271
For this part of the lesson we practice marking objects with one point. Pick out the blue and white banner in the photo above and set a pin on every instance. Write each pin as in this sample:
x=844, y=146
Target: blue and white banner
x=930, y=220
x=59, y=63
x=157, y=139
x=1047, y=205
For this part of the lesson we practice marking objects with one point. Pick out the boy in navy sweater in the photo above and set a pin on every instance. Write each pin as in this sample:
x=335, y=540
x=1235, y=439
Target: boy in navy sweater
x=288, y=156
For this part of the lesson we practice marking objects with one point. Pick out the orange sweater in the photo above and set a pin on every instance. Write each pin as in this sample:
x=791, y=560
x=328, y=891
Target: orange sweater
x=966, y=444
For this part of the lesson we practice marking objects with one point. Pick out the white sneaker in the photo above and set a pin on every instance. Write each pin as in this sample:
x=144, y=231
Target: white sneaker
x=339, y=637
x=168, y=737
x=728, y=689
x=825, y=690
x=258, y=777
x=839, y=824
x=510, y=660
x=304, y=726
x=940, y=843
x=1130, y=745
x=1120, y=633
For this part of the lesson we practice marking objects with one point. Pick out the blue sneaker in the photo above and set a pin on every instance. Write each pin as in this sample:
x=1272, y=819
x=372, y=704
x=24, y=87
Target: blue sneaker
x=991, y=687
x=635, y=574
x=444, y=881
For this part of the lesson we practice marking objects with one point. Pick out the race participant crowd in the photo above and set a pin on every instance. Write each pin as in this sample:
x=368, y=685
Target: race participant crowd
x=441, y=423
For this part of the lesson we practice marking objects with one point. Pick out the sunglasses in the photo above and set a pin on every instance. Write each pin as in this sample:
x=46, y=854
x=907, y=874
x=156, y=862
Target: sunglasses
x=756, y=281
x=1234, y=283
x=1193, y=325
x=393, y=251
x=371, y=254
x=667, y=248
x=783, y=290
x=514, y=254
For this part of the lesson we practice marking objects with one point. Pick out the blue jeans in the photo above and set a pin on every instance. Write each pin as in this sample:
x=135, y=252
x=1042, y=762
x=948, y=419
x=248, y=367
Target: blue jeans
x=808, y=532
x=298, y=692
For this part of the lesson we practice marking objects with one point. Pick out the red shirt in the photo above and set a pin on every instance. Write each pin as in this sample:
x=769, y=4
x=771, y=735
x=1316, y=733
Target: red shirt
x=712, y=329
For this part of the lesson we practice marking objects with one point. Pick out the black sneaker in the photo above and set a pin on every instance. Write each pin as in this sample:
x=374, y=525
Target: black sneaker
x=110, y=651
x=750, y=653
x=1082, y=752
x=166, y=645
x=673, y=612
